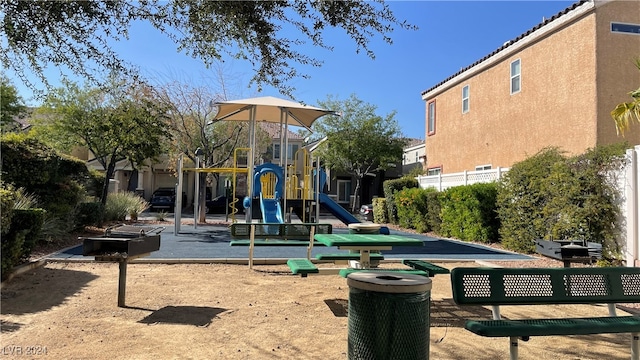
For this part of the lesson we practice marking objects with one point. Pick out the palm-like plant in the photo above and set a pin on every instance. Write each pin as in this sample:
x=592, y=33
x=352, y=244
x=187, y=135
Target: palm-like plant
x=626, y=113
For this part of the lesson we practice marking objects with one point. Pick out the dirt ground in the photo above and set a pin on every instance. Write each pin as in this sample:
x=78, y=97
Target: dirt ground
x=222, y=311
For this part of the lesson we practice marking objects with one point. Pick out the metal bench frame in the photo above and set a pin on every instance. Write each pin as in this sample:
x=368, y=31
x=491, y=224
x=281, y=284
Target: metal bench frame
x=540, y=286
x=280, y=233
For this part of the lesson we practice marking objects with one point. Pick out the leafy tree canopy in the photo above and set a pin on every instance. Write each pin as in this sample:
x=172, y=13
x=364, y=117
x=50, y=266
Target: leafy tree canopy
x=358, y=142
x=11, y=105
x=121, y=123
x=76, y=34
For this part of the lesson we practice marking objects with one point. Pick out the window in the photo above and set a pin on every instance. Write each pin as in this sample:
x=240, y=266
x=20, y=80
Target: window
x=344, y=191
x=276, y=151
x=515, y=76
x=465, y=99
x=434, y=171
x=293, y=148
x=431, y=117
x=483, y=167
x=625, y=28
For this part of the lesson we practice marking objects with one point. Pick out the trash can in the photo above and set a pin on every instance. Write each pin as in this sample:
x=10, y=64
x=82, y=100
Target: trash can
x=388, y=316
x=364, y=228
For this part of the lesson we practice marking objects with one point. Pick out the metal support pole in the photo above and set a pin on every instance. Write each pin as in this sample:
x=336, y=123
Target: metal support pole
x=122, y=282
x=196, y=195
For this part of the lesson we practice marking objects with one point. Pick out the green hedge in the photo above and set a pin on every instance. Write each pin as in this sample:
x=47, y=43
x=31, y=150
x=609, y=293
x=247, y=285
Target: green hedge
x=7, y=200
x=390, y=188
x=413, y=208
x=468, y=213
x=553, y=197
x=380, y=211
x=19, y=241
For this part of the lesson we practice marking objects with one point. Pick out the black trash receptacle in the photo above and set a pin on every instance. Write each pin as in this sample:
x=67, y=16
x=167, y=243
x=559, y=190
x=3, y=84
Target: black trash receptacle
x=388, y=316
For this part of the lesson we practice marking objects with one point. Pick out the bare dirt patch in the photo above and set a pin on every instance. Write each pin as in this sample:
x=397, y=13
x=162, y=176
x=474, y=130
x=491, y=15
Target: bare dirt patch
x=221, y=311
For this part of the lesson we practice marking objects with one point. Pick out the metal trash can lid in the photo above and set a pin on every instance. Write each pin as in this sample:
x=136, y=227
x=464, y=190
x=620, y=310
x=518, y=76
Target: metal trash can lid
x=389, y=282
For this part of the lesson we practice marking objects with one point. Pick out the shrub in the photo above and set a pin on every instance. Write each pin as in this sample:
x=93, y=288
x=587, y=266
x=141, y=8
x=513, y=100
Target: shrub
x=121, y=204
x=521, y=197
x=468, y=213
x=7, y=201
x=412, y=208
x=551, y=197
x=30, y=221
x=390, y=188
x=380, y=211
x=432, y=217
x=89, y=213
x=20, y=238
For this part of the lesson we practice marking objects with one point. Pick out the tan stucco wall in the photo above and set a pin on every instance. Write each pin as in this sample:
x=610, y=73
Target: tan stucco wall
x=559, y=105
x=617, y=74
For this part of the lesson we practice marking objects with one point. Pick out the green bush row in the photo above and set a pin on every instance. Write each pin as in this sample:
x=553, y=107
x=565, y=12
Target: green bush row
x=547, y=196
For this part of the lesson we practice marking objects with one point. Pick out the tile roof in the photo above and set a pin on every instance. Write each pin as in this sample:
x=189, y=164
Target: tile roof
x=273, y=129
x=511, y=42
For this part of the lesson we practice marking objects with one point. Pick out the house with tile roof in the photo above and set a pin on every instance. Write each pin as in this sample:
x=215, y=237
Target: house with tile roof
x=552, y=86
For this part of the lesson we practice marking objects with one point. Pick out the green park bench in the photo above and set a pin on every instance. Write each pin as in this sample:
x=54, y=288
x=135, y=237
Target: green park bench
x=549, y=286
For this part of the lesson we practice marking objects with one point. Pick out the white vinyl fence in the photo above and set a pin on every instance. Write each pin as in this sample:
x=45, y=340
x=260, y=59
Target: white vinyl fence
x=628, y=182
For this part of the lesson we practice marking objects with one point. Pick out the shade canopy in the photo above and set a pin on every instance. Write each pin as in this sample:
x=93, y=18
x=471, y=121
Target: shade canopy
x=269, y=109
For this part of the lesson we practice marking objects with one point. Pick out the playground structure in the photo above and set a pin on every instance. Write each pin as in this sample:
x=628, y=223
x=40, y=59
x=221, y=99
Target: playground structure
x=274, y=197
x=272, y=191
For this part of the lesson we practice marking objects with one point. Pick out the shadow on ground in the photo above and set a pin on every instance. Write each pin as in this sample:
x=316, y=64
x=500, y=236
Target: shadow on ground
x=23, y=295
x=200, y=316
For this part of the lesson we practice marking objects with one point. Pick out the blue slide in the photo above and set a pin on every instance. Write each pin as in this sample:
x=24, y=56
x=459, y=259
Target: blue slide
x=271, y=210
x=337, y=210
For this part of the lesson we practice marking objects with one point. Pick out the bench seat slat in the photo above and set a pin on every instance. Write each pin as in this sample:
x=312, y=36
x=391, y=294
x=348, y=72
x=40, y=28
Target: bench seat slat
x=302, y=267
x=432, y=269
x=550, y=327
x=347, y=256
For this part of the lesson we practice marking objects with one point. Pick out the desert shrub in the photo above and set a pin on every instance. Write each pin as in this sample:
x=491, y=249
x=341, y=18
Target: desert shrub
x=121, y=204
x=468, y=213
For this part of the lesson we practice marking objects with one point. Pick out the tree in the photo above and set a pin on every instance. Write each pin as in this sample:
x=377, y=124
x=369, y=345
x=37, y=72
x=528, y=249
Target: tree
x=359, y=142
x=11, y=105
x=189, y=118
x=121, y=123
x=76, y=34
x=626, y=113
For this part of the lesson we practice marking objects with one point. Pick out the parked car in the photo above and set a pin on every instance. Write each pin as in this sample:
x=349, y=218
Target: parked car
x=366, y=211
x=165, y=199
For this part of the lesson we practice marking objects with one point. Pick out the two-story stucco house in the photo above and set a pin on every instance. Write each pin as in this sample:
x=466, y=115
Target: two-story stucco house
x=554, y=85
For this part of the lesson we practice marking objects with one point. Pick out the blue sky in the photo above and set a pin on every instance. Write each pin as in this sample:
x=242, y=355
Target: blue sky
x=451, y=35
